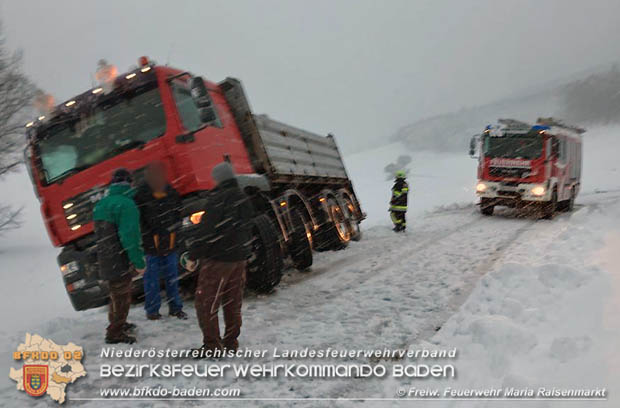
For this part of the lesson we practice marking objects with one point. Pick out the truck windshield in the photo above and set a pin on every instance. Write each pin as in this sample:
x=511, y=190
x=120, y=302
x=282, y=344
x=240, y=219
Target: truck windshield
x=514, y=147
x=116, y=125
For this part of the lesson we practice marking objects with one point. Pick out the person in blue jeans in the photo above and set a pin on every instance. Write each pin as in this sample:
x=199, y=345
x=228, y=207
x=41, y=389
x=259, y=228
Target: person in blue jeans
x=160, y=219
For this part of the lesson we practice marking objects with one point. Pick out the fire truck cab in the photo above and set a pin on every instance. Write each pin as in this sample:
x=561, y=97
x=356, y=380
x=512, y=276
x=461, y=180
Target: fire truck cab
x=536, y=168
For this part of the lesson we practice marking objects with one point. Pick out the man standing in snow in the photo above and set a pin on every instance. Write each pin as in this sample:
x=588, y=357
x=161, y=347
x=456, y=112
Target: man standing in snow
x=160, y=214
x=398, y=202
x=223, y=249
x=119, y=252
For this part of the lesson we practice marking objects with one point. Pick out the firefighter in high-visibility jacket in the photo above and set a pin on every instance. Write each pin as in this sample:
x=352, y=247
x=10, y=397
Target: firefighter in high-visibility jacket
x=398, y=202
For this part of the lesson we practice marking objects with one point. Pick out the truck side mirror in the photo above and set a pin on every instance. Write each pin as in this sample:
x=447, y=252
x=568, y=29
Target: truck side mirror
x=472, y=146
x=202, y=99
x=555, y=148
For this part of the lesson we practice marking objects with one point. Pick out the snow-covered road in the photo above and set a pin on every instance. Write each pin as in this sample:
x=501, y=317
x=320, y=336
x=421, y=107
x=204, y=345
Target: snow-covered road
x=388, y=290
x=525, y=302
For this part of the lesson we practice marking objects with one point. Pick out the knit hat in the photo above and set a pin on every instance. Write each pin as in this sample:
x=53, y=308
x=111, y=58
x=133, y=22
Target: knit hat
x=121, y=176
x=222, y=172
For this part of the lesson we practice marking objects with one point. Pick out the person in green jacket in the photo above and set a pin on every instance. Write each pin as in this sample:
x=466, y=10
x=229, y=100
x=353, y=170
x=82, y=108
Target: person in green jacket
x=119, y=252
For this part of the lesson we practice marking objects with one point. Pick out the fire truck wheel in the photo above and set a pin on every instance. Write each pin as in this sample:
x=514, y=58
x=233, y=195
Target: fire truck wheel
x=486, y=208
x=301, y=241
x=549, y=208
x=569, y=205
x=571, y=201
x=265, y=264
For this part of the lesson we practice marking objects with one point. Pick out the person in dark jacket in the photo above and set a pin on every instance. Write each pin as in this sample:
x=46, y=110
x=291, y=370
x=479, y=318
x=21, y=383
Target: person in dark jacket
x=119, y=251
x=160, y=214
x=398, y=202
x=223, y=250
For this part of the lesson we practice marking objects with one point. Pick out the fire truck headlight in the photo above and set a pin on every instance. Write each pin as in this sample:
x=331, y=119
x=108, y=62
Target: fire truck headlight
x=70, y=267
x=481, y=188
x=539, y=191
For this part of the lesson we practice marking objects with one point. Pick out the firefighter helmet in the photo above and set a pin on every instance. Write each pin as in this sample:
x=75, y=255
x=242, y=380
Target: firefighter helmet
x=400, y=174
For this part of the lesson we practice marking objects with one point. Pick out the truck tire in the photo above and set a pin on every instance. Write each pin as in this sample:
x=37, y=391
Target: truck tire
x=549, y=208
x=352, y=217
x=571, y=201
x=486, y=208
x=356, y=231
x=265, y=265
x=568, y=205
x=334, y=233
x=301, y=241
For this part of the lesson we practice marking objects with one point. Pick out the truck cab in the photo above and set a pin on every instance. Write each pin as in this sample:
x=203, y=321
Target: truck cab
x=296, y=179
x=536, y=168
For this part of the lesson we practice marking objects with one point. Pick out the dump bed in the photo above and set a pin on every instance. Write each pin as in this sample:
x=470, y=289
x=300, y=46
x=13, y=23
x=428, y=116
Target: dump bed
x=283, y=152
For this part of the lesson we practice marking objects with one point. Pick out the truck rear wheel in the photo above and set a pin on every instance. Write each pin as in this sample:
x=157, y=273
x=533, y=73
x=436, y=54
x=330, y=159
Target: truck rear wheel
x=301, y=241
x=265, y=264
x=353, y=220
x=486, y=207
x=334, y=234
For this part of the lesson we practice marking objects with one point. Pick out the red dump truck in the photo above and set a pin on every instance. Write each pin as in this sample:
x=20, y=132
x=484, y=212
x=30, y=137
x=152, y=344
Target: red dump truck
x=296, y=179
x=536, y=168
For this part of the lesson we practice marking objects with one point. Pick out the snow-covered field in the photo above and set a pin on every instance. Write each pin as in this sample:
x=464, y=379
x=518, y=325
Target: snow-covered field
x=525, y=302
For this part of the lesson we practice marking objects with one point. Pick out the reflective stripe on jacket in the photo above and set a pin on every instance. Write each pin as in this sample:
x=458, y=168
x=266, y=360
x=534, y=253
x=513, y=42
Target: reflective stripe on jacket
x=400, y=190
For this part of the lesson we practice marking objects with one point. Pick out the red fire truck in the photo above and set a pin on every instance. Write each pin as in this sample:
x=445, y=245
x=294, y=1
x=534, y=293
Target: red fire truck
x=296, y=179
x=536, y=168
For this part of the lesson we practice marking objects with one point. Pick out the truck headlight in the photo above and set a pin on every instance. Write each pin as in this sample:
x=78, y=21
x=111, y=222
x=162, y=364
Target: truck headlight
x=196, y=217
x=481, y=188
x=539, y=191
x=68, y=268
x=193, y=219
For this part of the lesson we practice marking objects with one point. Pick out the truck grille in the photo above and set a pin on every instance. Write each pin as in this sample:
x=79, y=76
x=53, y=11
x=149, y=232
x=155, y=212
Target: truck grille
x=513, y=172
x=79, y=209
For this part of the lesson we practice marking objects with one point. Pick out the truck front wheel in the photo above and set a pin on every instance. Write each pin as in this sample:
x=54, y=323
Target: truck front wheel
x=265, y=264
x=301, y=241
x=486, y=206
x=568, y=205
x=548, y=208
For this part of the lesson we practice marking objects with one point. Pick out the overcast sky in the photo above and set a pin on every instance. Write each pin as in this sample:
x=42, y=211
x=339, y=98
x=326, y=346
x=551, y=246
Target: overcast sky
x=360, y=69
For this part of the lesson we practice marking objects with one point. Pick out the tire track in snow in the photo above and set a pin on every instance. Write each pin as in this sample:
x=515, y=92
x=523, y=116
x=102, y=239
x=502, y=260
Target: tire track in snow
x=351, y=260
x=429, y=328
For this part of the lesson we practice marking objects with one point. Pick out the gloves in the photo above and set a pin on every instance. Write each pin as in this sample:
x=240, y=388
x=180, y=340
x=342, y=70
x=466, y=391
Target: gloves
x=191, y=265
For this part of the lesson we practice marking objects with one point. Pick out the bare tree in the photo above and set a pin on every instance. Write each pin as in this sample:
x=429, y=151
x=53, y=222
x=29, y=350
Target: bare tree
x=16, y=93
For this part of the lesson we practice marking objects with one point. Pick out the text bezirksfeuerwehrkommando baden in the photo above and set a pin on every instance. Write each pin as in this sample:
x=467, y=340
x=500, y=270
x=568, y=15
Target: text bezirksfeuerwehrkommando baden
x=289, y=368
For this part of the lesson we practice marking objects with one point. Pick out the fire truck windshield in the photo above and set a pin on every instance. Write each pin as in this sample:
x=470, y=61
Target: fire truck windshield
x=514, y=147
x=116, y=125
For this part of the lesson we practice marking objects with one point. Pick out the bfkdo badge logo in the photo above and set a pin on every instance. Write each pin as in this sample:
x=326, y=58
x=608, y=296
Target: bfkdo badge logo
x=36, y=379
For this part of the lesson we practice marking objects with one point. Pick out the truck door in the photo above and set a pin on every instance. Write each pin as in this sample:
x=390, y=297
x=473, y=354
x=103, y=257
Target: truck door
x=205, y=145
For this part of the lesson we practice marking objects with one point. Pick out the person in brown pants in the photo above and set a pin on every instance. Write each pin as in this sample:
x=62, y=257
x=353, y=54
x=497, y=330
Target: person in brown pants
x=220, y=283
x=223, y=250
x=118, y=309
